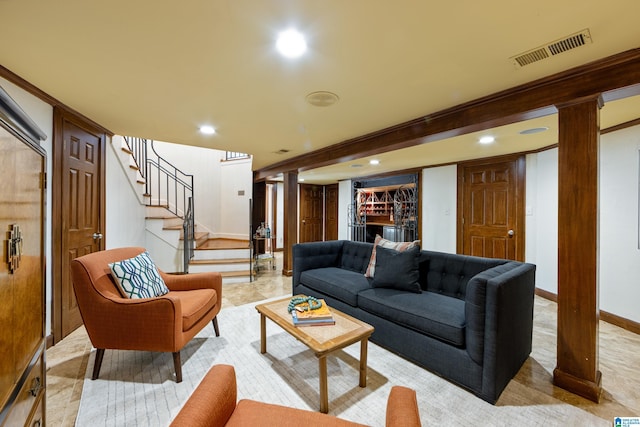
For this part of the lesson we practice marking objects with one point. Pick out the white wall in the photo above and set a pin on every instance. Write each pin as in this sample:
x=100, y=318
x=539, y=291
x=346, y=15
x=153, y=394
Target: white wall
x=619, y=254
x=344, y=200
x=439, y=189
x=219, y=209
x=125, y=224
x=280, y=216
x=542, y=225
x=42, y=114
x=232, y=207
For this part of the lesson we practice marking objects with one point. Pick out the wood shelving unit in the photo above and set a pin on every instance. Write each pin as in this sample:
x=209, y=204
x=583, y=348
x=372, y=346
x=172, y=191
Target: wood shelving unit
x=377, y=204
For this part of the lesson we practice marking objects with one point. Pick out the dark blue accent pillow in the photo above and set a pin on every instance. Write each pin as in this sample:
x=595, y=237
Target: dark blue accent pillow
x=398, y=270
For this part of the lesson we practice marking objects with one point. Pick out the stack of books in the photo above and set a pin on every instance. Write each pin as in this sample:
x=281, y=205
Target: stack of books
x=318, y=317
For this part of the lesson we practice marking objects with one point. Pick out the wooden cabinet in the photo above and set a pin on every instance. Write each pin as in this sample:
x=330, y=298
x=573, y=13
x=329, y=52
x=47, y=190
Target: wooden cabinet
x=22, y=284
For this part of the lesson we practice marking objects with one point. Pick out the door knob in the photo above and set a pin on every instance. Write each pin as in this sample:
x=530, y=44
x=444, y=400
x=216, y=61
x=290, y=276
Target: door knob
x=97, y=236
x=510, y=233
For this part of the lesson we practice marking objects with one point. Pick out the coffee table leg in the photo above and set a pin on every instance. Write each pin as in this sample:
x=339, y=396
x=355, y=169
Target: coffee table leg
x=363, y=362
x=324, y=394
x=263, y=333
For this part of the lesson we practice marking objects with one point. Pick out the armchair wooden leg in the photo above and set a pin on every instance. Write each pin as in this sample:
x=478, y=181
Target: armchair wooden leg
x=97, y=363
x=215, y=326
x=178, y=366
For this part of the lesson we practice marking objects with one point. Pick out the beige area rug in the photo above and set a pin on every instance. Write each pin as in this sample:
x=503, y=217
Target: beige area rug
x=138, y=389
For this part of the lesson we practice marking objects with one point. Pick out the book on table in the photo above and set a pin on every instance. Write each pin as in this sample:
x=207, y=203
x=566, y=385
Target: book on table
x=310, y=322
x=320, y=316
x=303, y=311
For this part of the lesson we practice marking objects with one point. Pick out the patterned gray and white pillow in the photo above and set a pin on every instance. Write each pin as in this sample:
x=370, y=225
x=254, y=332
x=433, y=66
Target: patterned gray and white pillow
x=138, y=277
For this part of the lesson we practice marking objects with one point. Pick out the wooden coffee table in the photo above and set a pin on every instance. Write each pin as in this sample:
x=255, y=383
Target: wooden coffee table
x=322, y=340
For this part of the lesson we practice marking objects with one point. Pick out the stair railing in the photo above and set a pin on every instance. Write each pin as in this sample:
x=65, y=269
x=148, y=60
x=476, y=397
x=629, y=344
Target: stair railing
x=188, y=231
x=166, y=186
x=138, y=149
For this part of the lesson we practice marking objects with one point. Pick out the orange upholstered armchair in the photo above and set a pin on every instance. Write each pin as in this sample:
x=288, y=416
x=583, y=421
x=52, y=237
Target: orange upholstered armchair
x=165, y=323
x=213, y=404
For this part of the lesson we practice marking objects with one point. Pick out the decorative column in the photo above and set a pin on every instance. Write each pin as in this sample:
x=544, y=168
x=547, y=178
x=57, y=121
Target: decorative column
x=578, y=312
x=290, y=232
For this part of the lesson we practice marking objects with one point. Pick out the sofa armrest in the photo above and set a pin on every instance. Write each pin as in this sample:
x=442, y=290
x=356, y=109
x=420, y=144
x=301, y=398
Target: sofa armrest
x=508, y=326
x=212, y=402
x=402, y=408
x=312, y=255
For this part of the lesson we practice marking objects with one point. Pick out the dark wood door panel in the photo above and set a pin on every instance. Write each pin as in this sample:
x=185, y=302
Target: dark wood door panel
x=82, y=213
x=331, y=212
x=491, y=208
x=478, y=202
x=311, y=213
x=78, y=208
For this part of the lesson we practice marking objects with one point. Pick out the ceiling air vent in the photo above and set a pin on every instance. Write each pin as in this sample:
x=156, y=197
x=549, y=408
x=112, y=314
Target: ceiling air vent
x=322, y=98
x=554, y=48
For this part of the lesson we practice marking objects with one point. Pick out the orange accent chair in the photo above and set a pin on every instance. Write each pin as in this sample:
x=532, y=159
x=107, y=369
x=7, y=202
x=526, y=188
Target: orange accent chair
x=213, y=404
x=166, y=323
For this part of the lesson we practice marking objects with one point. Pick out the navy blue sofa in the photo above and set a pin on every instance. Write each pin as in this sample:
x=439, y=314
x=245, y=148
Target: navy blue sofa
x=470, y=321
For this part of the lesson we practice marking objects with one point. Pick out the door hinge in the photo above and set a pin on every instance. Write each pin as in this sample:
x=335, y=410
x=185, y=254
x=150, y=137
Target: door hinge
x=43, y=180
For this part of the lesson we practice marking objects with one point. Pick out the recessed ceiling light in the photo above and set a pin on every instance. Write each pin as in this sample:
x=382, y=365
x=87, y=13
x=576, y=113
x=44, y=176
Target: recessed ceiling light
x=300, y=179
x=374, y=162
x=207, y=130
x=488, y=139
x=291, y=43
x=533, y=130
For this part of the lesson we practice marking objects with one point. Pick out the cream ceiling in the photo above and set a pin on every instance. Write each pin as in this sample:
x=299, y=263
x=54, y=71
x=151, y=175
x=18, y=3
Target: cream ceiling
x=160, y=69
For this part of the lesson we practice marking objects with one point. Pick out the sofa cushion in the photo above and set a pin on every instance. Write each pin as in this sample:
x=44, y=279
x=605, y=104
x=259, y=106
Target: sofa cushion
x=338, y=283
x=449, y=274
x=432, y=314
x=138, y=277
x=355, y=256
x=381, y=242
x=397, y=270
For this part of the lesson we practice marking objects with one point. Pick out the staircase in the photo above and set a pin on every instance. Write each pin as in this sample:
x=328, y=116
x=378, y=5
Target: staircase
x=228, y=256
x=164, y=224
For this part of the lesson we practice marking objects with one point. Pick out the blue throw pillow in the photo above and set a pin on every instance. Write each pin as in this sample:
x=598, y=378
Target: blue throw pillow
x=398, y=270
x=138, y=277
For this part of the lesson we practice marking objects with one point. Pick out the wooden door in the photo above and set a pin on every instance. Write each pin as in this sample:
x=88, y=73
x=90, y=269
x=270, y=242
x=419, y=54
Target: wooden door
x=491, y=208
x=311, y=212
x=79, y=165
x=331, y=212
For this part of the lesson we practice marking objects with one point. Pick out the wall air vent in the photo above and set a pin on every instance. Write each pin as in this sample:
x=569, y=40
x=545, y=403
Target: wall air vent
x=556, y=47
